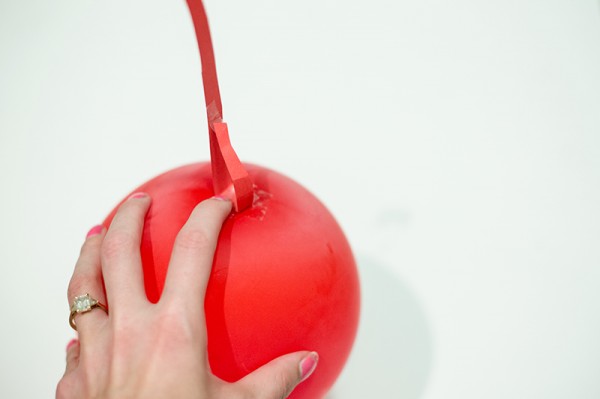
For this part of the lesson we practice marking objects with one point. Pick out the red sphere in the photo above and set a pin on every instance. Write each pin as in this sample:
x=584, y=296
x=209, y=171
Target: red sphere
x=283, y=279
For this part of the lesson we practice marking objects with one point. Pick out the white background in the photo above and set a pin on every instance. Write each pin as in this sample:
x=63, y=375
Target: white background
x=458, y=144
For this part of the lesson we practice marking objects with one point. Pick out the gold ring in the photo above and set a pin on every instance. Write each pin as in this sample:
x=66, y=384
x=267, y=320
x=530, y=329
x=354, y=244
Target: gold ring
x=83, y=304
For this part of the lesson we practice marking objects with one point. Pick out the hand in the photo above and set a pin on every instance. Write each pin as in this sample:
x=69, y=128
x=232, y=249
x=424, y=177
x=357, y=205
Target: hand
x=144, y=350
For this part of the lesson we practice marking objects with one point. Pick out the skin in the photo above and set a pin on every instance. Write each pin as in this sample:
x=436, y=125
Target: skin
x=145, y=350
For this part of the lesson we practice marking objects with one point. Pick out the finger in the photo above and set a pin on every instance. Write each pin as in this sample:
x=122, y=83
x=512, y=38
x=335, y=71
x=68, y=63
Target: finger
x=193, y=252
x=87, y=279
x=278, y=378
x=120, y=254
x=69, y=387
x=72, y=355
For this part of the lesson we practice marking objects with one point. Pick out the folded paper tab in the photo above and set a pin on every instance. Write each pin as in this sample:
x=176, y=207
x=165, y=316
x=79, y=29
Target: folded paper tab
x=230, y=178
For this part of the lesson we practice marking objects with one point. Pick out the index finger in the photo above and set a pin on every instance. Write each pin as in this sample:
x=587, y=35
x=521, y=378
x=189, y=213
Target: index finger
x=193, y=252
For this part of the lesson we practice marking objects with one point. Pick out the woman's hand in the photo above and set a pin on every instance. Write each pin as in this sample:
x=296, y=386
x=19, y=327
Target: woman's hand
x=145, y=350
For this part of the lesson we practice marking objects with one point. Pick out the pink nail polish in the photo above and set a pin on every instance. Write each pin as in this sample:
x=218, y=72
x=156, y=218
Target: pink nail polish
x=71, y=343
x=308, y=365
x=94, y=231
x=138, y=195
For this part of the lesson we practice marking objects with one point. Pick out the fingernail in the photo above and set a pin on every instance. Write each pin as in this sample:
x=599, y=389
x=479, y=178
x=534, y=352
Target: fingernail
x=220, y=198
x=71, y=343
x=138, y=195
x=94, y=231
x=308, y=365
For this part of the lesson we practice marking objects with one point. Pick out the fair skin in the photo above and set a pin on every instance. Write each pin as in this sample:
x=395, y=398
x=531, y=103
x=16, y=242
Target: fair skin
x=145, y=350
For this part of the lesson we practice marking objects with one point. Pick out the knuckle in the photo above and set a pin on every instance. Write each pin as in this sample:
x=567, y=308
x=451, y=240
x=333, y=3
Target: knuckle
x=193, y=239
x=64, y=388
x=284, y=384
x=175, y=323
x=116, y=243
x=245, y=393
x=76, y=286
x=174, y=333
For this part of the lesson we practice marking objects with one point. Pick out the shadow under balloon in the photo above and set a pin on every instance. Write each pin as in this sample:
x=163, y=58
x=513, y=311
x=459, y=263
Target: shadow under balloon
x=392, y=355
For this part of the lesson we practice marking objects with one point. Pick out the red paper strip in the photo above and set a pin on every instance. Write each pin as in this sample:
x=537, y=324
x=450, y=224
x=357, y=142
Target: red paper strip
x=212, y=94
x=230, y=178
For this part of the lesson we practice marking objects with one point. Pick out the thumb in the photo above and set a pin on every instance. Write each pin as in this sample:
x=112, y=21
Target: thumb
x=278, y=378
x=72, y=355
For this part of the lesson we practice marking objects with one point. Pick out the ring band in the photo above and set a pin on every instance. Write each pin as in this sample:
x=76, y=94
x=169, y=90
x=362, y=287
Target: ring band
x=83, y=304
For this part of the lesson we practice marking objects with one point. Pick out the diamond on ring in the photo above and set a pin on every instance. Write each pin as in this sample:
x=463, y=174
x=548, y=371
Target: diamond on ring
x=83, y=304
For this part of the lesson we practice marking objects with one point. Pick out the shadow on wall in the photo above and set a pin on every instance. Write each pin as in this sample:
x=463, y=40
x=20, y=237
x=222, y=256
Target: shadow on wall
x=392, y=354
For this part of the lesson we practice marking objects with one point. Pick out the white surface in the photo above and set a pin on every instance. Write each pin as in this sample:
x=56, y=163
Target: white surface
x=458, y=143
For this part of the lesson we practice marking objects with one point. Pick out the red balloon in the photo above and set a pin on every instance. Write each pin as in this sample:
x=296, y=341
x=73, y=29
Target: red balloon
x=283, y=278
